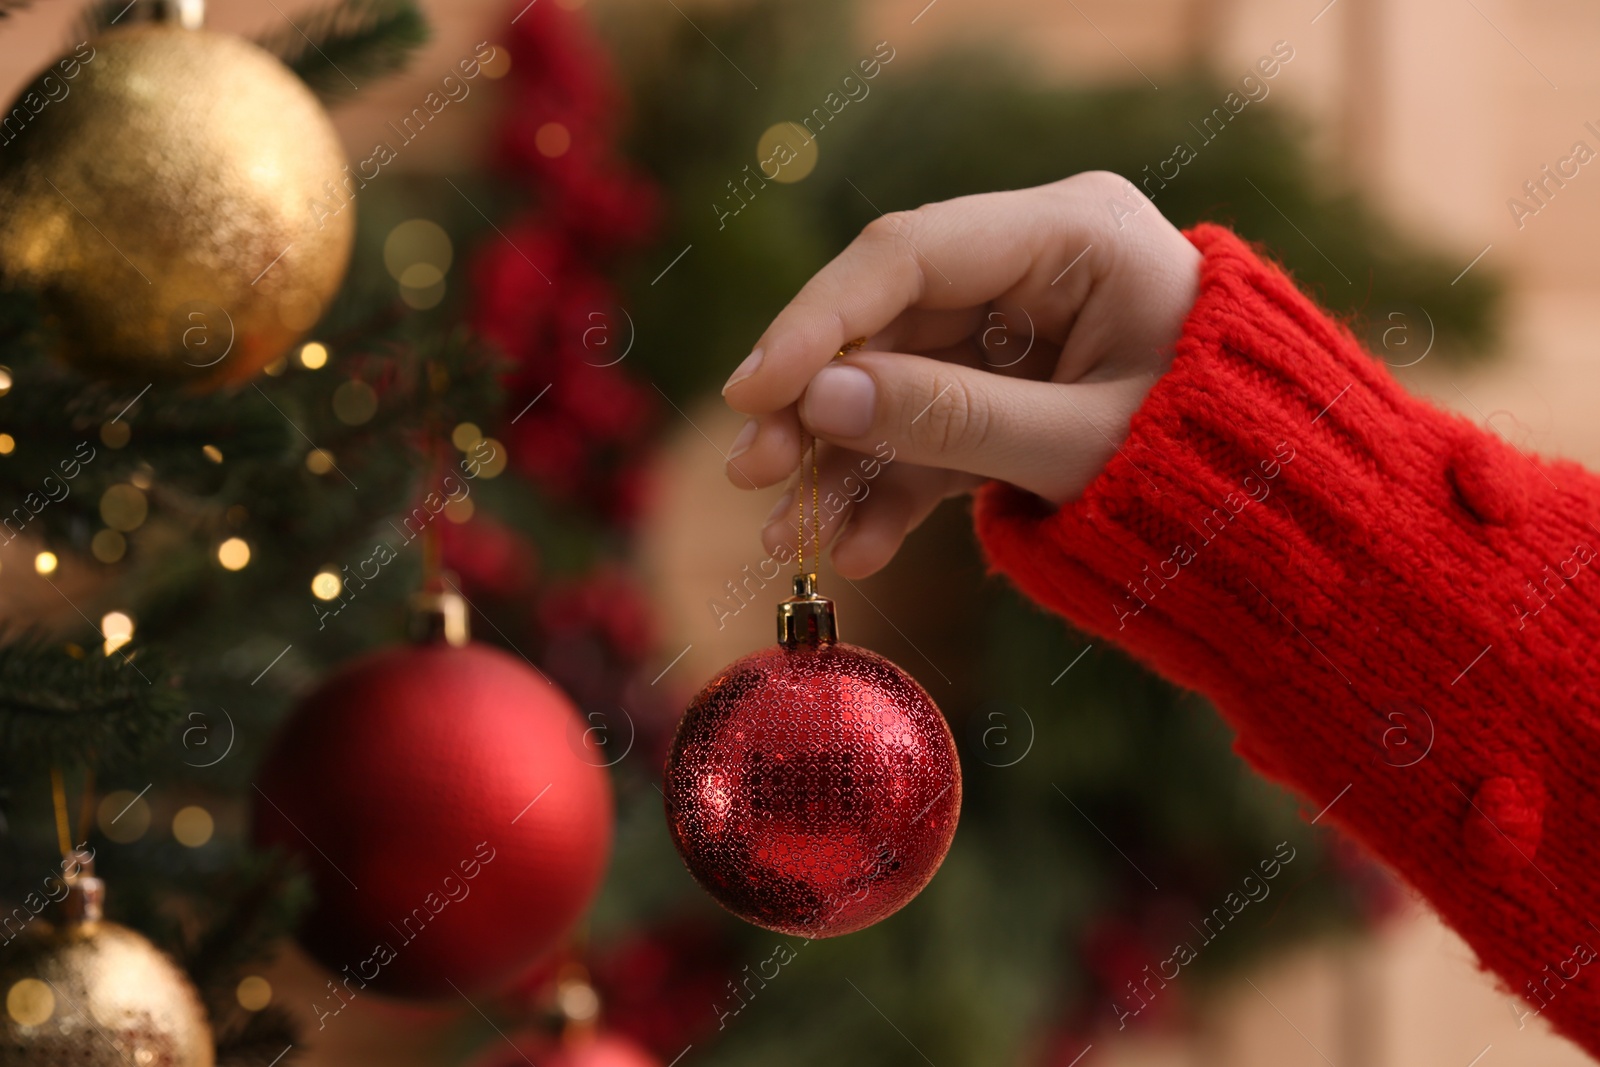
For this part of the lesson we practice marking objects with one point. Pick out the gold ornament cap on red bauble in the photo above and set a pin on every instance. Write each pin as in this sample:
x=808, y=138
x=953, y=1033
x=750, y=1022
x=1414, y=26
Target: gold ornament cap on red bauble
x=157, y=188
x=812, y=788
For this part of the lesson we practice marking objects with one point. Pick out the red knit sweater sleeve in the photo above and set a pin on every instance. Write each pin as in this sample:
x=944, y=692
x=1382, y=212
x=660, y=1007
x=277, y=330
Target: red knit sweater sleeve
x=1397, y=612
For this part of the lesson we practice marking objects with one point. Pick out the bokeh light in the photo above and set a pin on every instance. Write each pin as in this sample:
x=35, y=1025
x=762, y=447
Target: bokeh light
x=234, y=554
x=254, y=993
x=354, y=403
x=30, y=1002
x=117, y=629
x=497, y=65
x=496, y=463
x=193, y=826
x=326, y=584
x=417, y=241
x=123, y=816
x=552, y=140
x=108, y=546
x=786, y=152
x=123, y=507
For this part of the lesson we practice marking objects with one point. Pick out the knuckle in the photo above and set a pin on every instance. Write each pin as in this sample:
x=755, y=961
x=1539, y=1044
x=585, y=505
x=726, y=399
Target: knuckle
x=952, y=421
x=1096, y=183
x=891, y=227
x=1105, y=185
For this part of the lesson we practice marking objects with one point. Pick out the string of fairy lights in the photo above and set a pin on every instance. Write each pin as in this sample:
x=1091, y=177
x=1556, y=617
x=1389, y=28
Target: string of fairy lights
x=418, y=255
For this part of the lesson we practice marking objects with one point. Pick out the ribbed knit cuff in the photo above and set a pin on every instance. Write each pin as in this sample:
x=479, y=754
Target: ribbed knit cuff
x=1394, y=608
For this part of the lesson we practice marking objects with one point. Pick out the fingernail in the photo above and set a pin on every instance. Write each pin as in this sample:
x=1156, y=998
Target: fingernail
x=781, y=508
x=751, y=364
x=742, y=443
x=840, y=401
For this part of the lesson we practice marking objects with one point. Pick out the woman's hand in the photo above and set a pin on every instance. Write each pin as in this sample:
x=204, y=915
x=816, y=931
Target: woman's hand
x=1009, y=335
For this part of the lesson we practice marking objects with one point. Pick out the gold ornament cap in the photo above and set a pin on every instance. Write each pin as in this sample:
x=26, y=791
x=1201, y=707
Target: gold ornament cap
x=86, y=897
x=438, y=615
x=190, y=14
x=806, y=618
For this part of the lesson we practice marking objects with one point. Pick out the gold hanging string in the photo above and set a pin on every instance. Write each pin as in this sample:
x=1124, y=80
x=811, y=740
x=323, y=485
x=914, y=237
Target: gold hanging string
x=438, y=463
x=808, y=450
x=808, y=457
x=86, y=804
x=800, y=499
x=58, y=793
x=816, y=524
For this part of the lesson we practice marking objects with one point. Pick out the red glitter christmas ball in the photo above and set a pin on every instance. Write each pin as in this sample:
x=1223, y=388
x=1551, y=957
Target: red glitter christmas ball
x=813, y=788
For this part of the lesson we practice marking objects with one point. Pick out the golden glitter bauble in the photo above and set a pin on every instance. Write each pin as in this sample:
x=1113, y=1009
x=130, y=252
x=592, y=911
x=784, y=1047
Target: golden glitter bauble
x=95, y=994
x=181, y=200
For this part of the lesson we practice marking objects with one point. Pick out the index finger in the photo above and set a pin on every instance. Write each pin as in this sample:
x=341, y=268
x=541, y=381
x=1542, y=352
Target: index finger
x=955, y=254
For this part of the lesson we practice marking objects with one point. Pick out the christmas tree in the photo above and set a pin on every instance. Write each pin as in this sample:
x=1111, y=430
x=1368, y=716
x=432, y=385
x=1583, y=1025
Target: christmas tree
x=219, y=517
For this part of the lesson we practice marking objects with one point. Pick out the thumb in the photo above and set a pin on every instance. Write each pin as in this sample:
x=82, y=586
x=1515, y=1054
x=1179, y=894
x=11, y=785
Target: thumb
x=1049, y=438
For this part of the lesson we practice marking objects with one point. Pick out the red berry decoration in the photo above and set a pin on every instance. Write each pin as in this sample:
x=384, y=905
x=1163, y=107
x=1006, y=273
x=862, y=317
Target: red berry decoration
x=812, y=788
x=453, y=815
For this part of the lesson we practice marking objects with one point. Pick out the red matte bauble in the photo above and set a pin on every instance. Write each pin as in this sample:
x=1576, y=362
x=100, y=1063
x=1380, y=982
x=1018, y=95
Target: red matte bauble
x=813, y=790
x=452, y=810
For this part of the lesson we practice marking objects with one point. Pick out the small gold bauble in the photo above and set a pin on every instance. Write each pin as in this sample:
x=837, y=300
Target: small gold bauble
x=95, y=994
x=181, y=201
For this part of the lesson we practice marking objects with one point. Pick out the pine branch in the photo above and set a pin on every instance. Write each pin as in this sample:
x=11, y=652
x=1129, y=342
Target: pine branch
x=219, y=920
x=244, y=910
x=204, y=452
x=263, y=1039
x=338, y=48
x=54, y=707
x=20, y=320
